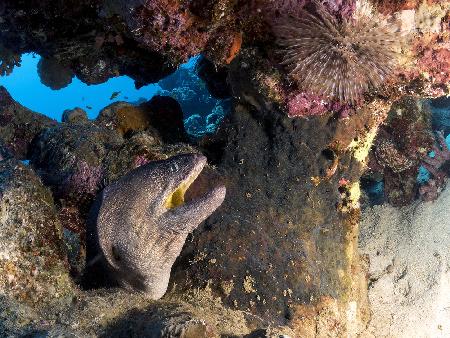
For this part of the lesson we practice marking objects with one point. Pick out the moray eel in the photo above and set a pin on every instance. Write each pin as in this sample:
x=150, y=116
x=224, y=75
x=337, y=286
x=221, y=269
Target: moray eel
x=139, y=224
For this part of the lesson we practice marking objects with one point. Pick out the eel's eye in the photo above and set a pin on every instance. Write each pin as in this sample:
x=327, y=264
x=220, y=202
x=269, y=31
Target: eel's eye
x=115, y=254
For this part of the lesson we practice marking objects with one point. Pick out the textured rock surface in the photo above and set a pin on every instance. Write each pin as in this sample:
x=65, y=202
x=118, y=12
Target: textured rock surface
x=32, y=254
x=121, y=314
x=76, y=115
x=160, y=115
x=287, y=202
x=69, y=158
x=19, y=125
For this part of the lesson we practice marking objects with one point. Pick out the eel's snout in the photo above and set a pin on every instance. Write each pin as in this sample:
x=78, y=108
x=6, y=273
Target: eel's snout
x=198, y=194
x=187, y=166
x=184, y=169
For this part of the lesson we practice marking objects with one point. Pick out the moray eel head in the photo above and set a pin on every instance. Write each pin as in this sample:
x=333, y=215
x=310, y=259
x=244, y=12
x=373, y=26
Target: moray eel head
x=140, y=222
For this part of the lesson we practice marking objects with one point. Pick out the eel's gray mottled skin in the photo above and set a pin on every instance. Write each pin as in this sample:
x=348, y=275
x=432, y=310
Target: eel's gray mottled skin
x=141, y=221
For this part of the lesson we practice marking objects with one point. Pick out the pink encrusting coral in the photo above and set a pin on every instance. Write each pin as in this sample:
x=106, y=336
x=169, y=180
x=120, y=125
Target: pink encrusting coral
x=306, y=104
x=303, y=105
x=436, y=62
x=86, y=179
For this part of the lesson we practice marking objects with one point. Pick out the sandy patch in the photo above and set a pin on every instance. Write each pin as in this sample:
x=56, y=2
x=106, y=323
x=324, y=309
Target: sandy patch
x=409, y=252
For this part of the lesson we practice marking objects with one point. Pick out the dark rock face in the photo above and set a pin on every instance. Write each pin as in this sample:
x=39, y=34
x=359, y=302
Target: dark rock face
x=99, y=40
x=282, y=240
x=74, y=35
x=214, y=78
x=161, y=115
x=53, y=74
x=292, y=239
x=19, y=125
x=76, y=115
x=167, y=117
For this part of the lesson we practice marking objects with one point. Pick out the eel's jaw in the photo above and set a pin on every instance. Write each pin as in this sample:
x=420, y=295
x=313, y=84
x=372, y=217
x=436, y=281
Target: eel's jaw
x=176, y=198
x=188, y=216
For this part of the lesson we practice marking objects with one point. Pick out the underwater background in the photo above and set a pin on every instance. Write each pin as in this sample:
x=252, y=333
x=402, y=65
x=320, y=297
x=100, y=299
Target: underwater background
x=260, y=168
x=202, y=112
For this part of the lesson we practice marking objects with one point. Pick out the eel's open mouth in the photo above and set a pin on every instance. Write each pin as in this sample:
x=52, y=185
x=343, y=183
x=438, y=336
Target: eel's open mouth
x=177, y=197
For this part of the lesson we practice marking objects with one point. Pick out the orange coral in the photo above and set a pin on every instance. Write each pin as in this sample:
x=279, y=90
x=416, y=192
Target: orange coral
x=235, y=47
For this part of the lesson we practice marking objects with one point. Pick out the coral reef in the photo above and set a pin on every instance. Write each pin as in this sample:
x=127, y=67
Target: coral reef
x=282, y=248
x=140, y=223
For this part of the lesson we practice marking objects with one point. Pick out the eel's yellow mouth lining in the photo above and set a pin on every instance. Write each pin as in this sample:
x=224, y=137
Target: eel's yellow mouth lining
x=176, y=198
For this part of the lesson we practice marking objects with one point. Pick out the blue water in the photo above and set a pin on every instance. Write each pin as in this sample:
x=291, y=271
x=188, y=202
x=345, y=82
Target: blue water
x=25, y=87
x=202, y=113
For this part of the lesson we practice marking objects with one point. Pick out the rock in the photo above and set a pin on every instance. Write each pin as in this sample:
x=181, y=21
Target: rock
x=167, y=322
x=69, y=158
x=53, y=74
x=214, y=78
x=76, y=115
x=166, y=116
x=398, y=150
x=161, y=116
x=123, y=117
x=282, y=245
x=19, y=125
x=33, y=267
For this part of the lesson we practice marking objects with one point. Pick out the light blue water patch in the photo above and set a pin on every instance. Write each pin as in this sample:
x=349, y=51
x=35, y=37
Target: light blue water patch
x=184, y=85
x=25, y=87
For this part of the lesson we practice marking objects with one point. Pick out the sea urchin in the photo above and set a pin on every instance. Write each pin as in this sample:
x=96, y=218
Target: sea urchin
x=340, y=58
